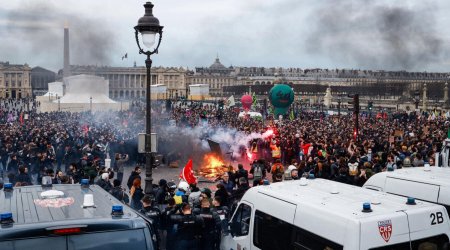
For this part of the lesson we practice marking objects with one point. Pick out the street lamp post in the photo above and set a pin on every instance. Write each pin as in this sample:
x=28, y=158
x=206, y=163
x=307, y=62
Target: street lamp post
x=59, y=104
x=90, y=103
x=339, y=106
x=417, y=98
x=148, y=26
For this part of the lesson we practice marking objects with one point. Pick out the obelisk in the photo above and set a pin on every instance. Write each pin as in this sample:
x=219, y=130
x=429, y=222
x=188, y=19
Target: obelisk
x=66, y=70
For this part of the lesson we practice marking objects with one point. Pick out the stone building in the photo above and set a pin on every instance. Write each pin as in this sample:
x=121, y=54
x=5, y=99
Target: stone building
x=15, y=80
x=217, y=76
x=40, y=78
x=129, y=83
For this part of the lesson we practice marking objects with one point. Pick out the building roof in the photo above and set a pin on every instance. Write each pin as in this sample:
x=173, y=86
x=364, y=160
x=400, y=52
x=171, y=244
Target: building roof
x=217, y=65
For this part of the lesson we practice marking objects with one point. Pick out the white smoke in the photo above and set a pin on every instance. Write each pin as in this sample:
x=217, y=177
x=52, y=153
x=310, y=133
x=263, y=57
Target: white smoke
x=229, y=138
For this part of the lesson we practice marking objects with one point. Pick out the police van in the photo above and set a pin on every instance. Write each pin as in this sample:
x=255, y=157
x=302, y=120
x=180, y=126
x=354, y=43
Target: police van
x=322, y=214
x=425, y=183
x=70, y=217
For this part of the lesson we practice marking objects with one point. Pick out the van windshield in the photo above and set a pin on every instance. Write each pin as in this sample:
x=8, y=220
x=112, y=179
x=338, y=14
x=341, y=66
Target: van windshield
x=439, y=242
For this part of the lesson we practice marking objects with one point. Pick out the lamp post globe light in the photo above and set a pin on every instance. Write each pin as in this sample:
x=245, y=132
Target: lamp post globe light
x=148, y=27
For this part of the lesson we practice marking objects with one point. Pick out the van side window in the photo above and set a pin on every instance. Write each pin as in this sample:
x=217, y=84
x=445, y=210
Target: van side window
x=240, y=224
x=305, y=240
x=273, y=233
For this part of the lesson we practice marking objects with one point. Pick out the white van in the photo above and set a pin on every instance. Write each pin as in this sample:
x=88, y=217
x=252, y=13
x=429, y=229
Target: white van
x=425, y=183
x=321, y=214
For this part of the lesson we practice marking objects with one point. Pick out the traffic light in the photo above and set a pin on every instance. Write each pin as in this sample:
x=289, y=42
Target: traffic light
x=354, y=103
x=370, y=106
x=355, y=109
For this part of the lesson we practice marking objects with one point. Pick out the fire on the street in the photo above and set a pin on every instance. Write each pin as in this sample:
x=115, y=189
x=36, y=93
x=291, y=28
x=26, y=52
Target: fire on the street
x=212, y=166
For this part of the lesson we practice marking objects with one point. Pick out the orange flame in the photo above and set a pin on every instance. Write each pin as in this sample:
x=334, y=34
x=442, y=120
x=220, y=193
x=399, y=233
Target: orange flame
x=212, y=166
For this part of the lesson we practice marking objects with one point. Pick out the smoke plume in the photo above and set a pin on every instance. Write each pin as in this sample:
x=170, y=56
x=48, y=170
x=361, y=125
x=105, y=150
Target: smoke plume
x=39, y=24
x=370, y=34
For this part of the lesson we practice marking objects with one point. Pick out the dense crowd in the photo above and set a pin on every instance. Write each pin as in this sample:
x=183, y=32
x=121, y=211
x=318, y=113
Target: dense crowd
x=308, y=144
x=328, y=146
x=44, y=143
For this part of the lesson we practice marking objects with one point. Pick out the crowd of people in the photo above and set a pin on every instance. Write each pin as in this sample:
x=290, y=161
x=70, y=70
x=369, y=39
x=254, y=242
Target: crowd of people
x=328, y=146
x=44, y=143
x=69, y=147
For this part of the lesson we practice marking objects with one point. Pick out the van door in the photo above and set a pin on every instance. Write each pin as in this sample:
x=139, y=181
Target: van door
x=240, y=236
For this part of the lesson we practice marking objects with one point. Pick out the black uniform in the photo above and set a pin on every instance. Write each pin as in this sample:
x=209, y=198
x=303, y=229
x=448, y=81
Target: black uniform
x=152, y=213
x=211, y=230
x=223, y=213
x=189, y=228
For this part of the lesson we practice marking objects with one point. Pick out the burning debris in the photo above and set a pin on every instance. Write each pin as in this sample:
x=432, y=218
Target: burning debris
x=212, y=166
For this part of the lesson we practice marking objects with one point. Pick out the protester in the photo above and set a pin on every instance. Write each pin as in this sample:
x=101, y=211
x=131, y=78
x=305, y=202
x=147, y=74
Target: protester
x=119, y=192
x=136, y=194
x=134, y=174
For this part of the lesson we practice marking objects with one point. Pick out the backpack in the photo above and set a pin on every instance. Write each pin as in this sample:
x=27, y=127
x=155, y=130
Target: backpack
x=257, y=172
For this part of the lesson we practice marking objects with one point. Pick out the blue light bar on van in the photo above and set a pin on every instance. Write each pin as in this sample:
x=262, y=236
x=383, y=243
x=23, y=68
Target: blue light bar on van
x=411, y=201
x=84, y=182
x=7, y=187
x=366, y=207
x=311, y=176
x=6, y=218
x=266, y=182
x=117, y=210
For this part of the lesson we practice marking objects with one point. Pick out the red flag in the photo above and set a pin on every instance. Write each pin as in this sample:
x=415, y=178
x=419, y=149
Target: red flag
x=21, y=119
x=187, y=173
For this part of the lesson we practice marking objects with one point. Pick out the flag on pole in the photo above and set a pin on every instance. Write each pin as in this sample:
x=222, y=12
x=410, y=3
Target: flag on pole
x=291, y=115
x=125, y=56
x=230, y=101
x=254, y=101
x=187, y=174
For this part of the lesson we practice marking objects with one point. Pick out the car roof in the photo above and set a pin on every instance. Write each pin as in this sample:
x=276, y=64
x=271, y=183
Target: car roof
x=433, y=175
x=341, y=200
x=28, y=207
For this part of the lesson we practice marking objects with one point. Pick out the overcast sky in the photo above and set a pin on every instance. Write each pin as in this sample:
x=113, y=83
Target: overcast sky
x=411, y=35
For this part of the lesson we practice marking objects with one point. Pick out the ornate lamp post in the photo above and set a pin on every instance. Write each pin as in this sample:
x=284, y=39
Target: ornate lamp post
x=148, y=26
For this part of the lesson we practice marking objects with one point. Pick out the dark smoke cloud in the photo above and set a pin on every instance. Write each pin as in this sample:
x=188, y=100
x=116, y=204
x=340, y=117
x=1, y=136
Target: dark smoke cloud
x=39, y=25
x=370, y=34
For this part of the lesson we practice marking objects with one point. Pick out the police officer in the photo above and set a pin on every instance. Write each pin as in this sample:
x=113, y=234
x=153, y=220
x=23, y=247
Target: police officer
x=223, y=213
x=212, y=223
x=151, y=212
x=168, y=228
x=189, y=228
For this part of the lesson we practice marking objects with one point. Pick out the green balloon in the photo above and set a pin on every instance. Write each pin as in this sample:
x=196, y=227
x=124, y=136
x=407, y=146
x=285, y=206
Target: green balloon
x=280, y=111
x=281, y=96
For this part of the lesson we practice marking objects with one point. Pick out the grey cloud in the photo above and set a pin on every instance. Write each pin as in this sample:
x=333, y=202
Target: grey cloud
x=370, y=34
x=39, y=27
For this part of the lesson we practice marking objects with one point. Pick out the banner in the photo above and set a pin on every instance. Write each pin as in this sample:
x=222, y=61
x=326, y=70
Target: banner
x=187, y=174
x=230, y=101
